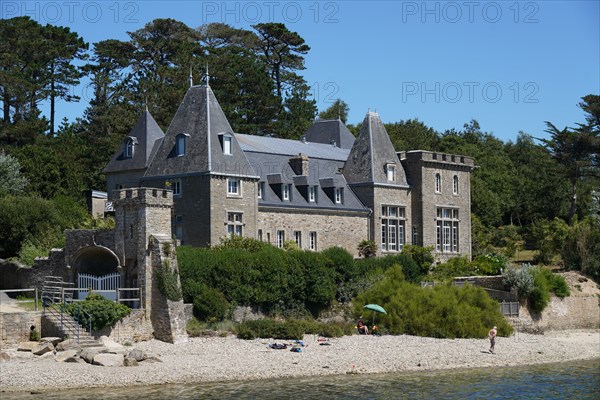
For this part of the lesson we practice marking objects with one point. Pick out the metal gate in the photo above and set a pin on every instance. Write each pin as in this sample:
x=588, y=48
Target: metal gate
x=106, y=285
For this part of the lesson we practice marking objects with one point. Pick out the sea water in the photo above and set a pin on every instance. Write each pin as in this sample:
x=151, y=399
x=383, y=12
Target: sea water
x=572, y=380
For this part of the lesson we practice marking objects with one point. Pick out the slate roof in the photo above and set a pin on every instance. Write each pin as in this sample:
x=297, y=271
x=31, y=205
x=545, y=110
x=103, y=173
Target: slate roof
x=270, y=145
x=146, y=135
x=274, y=170
x=329, y=131
x=371, y=153
x=201, y=119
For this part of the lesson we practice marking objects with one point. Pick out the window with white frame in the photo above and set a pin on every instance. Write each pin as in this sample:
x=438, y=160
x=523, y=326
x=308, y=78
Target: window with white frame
x=227, y=145
x=447, y=230
x=339, y=195
x=129, y=148
x=286, y=188
x=393, y=224
x=298, y=238
x=415, y=236
x=234, y=223
x=180, y=144
x=312, y=194
x=455, y=184
x=438, y=183
x=233, y=187
x=175, y=186
x=312, y=241
x=391, y=172
x=280, y=239
x=261, y=190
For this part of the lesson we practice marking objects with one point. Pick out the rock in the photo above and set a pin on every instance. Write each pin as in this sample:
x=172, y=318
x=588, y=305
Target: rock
x=153, y=359
x=137, y=354
x=4, y=356
x=43, y=348
x=69, y=344
x=109, y=360
x=51, y=339
x=130, y=362
x=89, y=353
x=27, y=346
x=67, y=354
x=49, y=354
x=75, y=359
x=112, y=346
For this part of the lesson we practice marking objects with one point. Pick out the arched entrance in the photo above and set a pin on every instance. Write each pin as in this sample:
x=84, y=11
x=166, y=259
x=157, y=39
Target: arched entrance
x=96, y=268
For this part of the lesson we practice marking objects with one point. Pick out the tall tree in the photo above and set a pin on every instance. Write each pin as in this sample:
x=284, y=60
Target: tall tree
x=64, y=47
x=298, y=113
x=282, y=49
x=11, y=180
x=338, y=109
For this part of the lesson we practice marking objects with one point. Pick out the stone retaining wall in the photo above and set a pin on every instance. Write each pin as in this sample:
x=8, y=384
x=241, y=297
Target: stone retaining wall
x=15, y=327
x=136, y=327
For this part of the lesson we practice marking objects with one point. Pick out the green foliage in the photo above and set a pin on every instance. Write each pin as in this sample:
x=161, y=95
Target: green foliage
x=210, y=304
x=34, y=335
x=519, y=278
x=489, y=264
x=103, y=312
x=338, y=109
x=168, y=282
x=367, y=248
x=423, y=256
x=240, y=242
x=581, y=249
x=445, y=311
x=292, y=329
x=11, y=180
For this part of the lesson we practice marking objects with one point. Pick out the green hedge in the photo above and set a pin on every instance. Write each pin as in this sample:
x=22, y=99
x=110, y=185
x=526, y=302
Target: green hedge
x=292, y=329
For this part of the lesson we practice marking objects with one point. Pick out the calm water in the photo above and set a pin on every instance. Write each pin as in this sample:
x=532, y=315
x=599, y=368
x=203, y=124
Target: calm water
x=577, y=380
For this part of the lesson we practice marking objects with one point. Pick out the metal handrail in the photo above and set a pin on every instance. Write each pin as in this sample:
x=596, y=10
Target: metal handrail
x=35, y=299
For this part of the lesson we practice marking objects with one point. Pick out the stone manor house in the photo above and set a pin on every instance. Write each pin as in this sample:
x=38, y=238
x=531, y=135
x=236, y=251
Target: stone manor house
x=327, y=189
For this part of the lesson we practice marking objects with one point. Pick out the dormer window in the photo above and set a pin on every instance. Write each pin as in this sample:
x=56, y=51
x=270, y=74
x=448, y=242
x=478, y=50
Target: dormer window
x=438, y=183
x=227, y=144
x=339, y=195
x=286, y=191
x=391, y=172
x=180, y=144
x=129, y=148
x=312, y=194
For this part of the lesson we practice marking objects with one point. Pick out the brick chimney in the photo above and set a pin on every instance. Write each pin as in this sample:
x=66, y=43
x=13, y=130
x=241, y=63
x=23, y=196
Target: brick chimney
x=299, y=164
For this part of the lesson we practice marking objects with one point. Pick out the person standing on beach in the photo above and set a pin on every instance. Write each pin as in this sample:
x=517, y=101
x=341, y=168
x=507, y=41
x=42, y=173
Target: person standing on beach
x=492, y=336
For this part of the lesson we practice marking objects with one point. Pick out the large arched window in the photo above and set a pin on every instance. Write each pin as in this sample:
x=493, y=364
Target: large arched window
x=438, y=183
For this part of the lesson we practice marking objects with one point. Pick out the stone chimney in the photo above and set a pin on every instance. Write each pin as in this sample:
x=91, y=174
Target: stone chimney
x=299, y=164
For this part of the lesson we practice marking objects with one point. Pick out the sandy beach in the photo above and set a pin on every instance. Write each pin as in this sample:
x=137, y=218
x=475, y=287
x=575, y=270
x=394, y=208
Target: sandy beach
x=228, y=358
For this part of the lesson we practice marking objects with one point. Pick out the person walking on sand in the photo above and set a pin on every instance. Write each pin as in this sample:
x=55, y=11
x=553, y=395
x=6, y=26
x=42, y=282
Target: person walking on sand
x=492, y=336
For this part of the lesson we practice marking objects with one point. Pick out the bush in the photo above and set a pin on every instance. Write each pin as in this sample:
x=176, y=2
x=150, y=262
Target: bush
x=102, y=311
x=445, y=311
x=168, y=282
x=519, y=278
x=367, y=248
x=268, y=328
x=210, y=304
x=489, y=264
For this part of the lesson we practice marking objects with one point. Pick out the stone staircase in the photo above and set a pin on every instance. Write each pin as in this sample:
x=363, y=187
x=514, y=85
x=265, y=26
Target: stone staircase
x=67, y=325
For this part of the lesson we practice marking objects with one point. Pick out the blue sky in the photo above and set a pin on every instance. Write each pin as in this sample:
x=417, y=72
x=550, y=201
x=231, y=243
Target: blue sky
x=510, y=65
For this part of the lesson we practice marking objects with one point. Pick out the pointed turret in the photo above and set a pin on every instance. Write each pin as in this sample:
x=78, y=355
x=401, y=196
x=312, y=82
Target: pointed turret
x=199, y=140
x=138, y=147
x=372, y=159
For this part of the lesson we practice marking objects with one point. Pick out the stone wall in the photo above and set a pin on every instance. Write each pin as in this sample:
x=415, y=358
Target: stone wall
x=333, y=229
x=136, y=327
x=490, y=282
x=221, y=203
x=15, y=327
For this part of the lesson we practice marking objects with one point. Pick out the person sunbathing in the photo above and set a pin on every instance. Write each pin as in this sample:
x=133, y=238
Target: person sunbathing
x=362, y=328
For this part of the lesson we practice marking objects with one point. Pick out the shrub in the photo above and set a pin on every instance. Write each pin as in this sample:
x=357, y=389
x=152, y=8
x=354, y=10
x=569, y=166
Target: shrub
x=519, y=278
x=102, y=311
x=210, y=304
x=444, y=311
x=367, y=248
x=422, y=255
x=268, y=328
x=168, y=282
x=489, y=264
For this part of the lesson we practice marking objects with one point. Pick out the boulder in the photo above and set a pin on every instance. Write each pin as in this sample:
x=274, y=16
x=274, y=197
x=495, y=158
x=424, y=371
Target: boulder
x=4, y=356
x=109, y=360
x=112, y=346
x=43, y=348
x=130, y=362
x=63, y=356
x=69, y=344
x=49, y=354
x=27, y=346
x=51, y=339
x=89, y=353
x=137, y=354
x=152, y=359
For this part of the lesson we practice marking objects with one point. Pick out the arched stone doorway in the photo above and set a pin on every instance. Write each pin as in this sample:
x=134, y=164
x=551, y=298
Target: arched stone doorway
x=98, y=268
